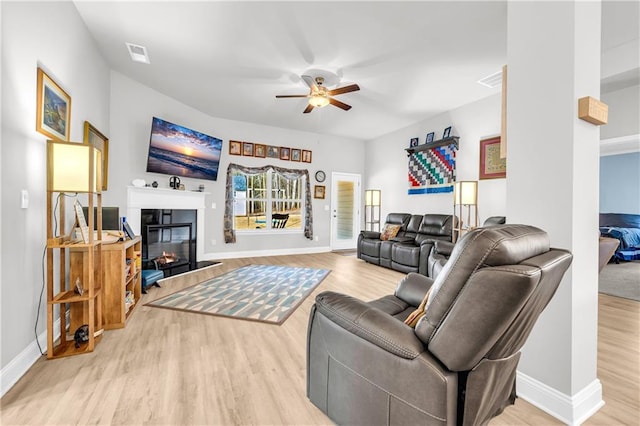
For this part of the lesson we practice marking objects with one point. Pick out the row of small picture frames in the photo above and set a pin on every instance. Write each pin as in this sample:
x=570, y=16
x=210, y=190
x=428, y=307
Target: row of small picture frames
x=250, y=149
x=430, y=137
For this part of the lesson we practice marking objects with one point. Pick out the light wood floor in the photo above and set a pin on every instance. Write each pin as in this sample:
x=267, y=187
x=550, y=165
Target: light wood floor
x=169, y=367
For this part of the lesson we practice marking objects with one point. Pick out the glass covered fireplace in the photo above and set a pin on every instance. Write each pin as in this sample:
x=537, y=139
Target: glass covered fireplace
x=169, y=240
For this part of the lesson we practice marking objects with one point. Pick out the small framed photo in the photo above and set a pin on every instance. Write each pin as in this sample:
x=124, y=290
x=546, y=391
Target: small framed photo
x=285, y=153
x=413, y=142
x=247, y=149
x=491, y=165
x=431, y=135
x=295, y=154
x=127, y=230
x=447, y=133
x=306, y=156
x=318, y=191
x=273, y=151
x=259, y=150
x=53, y=116
x=235, y=147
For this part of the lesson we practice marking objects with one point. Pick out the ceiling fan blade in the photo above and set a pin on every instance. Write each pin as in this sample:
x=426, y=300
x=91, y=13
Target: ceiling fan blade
x=345, y=89
x=308, y=109
x=292, y=96
x=310, y=82
x=339, y=104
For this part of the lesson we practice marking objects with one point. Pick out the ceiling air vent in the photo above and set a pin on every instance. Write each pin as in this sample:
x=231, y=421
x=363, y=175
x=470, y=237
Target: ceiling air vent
x=493, y=80
x=138, y=53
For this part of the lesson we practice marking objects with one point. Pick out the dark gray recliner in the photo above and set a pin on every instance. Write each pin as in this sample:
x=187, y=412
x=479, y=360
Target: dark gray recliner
x=410, y=254
x=369, y=242
x=458, y=366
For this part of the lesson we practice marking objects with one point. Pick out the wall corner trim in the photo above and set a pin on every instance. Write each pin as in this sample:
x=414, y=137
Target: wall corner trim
x=571, y=410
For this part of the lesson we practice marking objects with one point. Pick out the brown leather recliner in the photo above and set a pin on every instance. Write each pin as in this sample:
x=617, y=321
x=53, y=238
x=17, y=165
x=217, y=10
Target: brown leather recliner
x=458, y=366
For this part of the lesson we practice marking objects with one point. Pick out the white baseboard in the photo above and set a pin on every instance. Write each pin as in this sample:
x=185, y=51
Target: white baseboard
x=265, y=253
x=571, y=410
x=17, y=367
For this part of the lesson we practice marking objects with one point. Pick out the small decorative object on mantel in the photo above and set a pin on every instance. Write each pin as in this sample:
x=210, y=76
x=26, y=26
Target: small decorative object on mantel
x=413, y=142
x=447, y=133
x=430, y=137
x=593, y=111
x=174, y=182
x=154, y=184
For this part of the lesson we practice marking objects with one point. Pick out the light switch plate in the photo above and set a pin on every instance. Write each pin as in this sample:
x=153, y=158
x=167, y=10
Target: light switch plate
x=24, y=199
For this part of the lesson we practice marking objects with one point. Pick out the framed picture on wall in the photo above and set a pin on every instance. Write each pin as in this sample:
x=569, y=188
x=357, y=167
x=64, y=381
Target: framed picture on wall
x=273, y=151
x=260, y=150
x=306, y=156
x=92, y=136
x=235, y=147
x=285, y=153
x=447, y=133
x=413, y=142
x=247, y=149
x=491, y=165
x=295, y=154
x=318, y=191
x=53, y=116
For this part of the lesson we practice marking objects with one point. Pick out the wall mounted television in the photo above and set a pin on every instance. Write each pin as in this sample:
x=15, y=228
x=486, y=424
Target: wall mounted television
x=179, y=151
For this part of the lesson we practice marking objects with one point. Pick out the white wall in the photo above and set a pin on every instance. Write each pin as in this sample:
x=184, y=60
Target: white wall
x=624, y=113
x=386, y=161
x=53, y=36
x=132, y=107
x=620, y=183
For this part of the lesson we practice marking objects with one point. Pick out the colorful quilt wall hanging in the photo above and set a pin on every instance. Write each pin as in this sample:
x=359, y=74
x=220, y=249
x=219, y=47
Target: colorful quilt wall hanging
x=433, y=170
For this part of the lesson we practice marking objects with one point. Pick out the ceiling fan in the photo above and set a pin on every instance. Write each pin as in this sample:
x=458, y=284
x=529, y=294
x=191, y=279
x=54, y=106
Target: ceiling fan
x=319, y=96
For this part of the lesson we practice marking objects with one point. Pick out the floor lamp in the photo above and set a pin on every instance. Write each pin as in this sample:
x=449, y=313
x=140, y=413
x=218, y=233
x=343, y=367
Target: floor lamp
x=465, y=194
x=372, y=209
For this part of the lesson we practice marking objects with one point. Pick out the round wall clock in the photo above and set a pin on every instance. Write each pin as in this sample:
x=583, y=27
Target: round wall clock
x=320, y=176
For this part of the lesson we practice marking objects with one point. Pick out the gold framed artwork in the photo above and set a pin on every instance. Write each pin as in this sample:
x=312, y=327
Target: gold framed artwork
x=306, y=156
x=318, y=191
x=285, y=153
x=247, y=149
x=260, y=150
x=235, y=147
x=93, y=136
x=491, y=165
x=53, y=116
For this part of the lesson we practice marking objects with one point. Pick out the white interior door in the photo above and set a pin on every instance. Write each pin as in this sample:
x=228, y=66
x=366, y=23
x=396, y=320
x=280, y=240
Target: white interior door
x=345, y=210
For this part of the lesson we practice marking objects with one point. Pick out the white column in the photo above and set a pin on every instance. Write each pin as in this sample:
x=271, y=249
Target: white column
x=553, y=51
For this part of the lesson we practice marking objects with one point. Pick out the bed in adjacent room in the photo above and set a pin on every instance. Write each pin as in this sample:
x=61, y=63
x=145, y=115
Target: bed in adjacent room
x=626, y=229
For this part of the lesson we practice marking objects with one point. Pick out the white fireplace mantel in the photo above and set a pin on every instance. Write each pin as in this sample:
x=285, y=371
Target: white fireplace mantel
x=139, y=198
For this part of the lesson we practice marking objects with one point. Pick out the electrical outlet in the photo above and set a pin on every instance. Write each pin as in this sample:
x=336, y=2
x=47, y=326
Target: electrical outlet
x=317, y=238
x=213, y=205
x=213, y=242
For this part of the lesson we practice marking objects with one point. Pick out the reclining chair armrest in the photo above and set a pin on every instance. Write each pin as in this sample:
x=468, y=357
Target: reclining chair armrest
x=402, y=239
x=443, y=247
x=413, y=288
x=370, y=234
x=370, y=324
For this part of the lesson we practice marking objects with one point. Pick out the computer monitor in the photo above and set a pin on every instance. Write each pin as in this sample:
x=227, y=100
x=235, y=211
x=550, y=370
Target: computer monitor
x=110, y=218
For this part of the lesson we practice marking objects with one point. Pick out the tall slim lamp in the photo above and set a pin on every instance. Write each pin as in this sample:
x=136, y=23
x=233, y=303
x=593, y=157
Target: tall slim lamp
x=372, y=209
x=465, y=194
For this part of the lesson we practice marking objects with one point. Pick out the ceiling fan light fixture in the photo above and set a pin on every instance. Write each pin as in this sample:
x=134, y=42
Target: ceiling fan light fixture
x=319, y=101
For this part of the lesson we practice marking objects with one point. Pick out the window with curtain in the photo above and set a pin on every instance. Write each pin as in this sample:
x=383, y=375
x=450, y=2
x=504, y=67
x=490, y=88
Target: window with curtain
x=267, y=201
x=267, y=198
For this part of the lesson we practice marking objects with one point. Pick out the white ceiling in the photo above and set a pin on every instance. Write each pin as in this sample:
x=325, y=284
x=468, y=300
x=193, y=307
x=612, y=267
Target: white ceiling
x=412, y=60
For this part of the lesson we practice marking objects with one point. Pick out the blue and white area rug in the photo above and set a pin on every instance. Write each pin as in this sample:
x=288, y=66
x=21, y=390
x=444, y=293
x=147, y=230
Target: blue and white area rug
x=266, y=293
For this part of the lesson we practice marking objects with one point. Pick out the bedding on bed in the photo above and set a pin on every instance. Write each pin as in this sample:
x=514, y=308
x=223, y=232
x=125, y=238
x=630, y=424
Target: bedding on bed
x=626, y=229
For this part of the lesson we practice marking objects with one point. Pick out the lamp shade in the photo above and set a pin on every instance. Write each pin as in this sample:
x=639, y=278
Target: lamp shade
x=73, y=167
x=465, y=192
x=372, y=197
